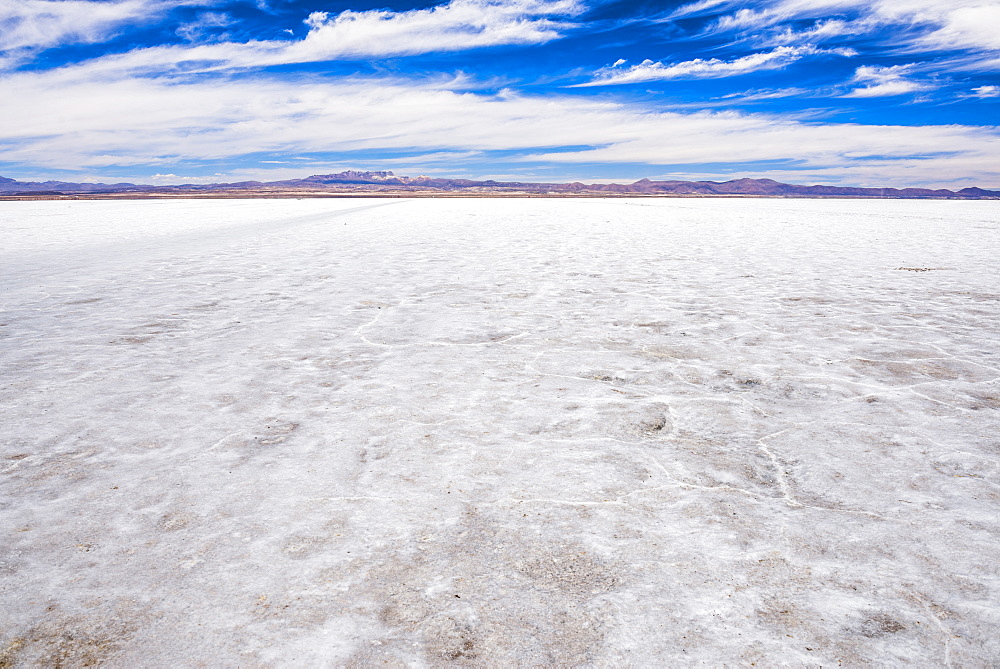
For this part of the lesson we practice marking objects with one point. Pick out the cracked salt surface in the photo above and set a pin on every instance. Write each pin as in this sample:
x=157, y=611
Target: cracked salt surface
x=496, y=432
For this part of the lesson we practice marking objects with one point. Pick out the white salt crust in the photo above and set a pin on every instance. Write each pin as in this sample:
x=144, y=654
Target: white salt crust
x=500, y=432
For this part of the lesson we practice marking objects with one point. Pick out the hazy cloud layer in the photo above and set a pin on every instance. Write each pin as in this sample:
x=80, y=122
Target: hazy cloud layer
x=158, y=123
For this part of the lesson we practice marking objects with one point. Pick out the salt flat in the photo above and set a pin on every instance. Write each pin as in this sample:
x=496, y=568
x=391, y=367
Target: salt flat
x=500, y=432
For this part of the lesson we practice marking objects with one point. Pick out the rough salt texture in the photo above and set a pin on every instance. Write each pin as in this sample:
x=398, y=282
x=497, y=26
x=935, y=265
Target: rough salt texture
x=500, y=432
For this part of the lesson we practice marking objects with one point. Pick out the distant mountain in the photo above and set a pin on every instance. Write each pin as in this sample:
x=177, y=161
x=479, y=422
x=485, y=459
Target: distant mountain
x=362, y=182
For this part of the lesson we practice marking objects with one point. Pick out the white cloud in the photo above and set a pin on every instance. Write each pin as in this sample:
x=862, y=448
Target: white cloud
x=203, y=25
x=729, y=137
x=457, y=25
x=53, y=122
x=889, y=88
x=969, y=25
x=987, y=92
x=33, y=24
x=981, y=64
x=699, y=68
x=820, y=31
x=696, y=8
x=766, y=94
x=943, y=173
x=962, y=27
x=746, y=18
x=884, y=81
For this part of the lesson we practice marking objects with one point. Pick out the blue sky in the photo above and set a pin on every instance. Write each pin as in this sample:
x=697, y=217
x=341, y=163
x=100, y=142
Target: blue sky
x=879, y=92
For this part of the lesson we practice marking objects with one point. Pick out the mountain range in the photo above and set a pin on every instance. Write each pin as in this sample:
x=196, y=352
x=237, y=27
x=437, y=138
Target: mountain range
x=354, y=182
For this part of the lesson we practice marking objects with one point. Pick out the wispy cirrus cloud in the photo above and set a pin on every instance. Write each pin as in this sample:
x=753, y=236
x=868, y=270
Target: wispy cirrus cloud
x=700, y=68
x=455, y=26
x=767, y=94
x=821, y=31
x=204, y=26
x=29, y=25
x=929, y=25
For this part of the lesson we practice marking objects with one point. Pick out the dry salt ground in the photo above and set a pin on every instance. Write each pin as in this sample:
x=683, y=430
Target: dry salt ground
x=500, y=432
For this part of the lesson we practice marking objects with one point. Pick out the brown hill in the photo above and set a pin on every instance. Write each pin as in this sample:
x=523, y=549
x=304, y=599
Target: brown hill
x=361, y=182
